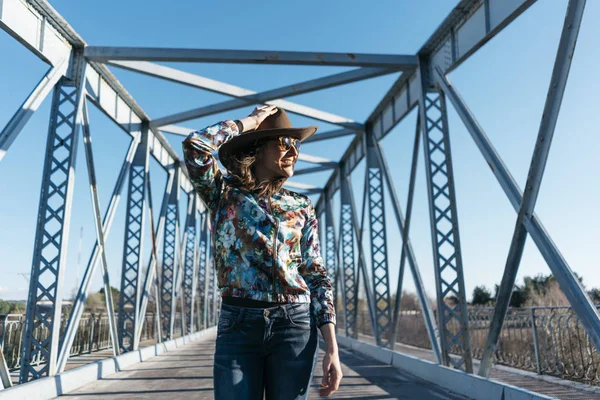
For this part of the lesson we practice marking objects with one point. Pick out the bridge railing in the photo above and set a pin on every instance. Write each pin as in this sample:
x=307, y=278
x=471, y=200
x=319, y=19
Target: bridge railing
x=545, y=340
x=93, y=335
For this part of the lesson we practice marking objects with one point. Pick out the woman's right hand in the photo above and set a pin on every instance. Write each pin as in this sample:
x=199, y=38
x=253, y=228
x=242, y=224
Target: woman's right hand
x=257, y=116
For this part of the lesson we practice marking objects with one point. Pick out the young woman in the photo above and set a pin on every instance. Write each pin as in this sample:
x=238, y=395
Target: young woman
x=274, y=287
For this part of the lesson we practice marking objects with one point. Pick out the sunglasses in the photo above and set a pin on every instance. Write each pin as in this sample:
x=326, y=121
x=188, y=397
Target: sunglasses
x=286, y=143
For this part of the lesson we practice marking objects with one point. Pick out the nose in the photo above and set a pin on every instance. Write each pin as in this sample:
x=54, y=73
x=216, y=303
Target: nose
x=293, y=150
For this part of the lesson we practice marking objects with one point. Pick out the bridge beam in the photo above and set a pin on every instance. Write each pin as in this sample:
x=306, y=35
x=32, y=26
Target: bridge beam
x=44, y=303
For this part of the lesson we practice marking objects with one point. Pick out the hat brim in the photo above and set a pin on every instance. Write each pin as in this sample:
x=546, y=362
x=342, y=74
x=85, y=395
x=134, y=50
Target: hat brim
x=245, y=141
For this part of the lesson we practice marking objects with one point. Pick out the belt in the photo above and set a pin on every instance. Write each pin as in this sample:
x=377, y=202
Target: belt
x=248, y=303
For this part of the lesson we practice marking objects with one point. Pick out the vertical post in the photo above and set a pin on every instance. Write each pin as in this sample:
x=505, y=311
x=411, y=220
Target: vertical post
x=190, y=263
x=568, y=283
x=152, y=275
x=445, y=237
x=92, y=332
x=44, y=304
x=202, y=268
x=131, y=274
x=408, y=252
x=536, y=344
x=379, y=256
x=362, y=265
x=348, y=263
x=331, y=253
x=170, y=246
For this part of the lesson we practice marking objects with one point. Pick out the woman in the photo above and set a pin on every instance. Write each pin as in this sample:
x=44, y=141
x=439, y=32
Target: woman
x=274, y=287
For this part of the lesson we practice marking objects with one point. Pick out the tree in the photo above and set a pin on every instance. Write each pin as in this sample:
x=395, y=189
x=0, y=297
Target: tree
x=481, y=296
x=4, y=307
x=518, y=296
x=594, y=294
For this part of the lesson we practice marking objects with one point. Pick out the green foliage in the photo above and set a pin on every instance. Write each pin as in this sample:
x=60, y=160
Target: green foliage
x=11, y=307
x=481, y=296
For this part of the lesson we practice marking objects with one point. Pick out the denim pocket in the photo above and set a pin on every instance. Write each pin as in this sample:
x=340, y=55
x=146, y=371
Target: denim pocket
x=226, y=323
x=300, y=320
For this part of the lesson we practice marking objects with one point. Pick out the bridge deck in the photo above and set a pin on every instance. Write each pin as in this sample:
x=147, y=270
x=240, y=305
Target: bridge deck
x=187, y=373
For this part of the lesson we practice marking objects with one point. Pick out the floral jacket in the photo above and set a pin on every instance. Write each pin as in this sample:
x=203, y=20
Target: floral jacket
x=264, y=249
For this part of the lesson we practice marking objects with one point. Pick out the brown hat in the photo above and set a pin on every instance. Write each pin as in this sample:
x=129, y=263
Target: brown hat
x=274, y=125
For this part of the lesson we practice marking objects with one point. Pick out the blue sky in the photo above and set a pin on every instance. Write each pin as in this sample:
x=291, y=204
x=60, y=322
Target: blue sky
x=504, y=83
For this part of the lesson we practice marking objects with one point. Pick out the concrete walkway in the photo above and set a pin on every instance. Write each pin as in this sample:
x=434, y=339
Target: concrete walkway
x=187, y=373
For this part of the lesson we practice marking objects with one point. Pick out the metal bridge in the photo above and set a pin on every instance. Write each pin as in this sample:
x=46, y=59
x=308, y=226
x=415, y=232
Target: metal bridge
x=181, y=280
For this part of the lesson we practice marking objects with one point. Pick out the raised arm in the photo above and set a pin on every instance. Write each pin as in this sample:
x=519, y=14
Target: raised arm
x=199, y=146
x=201, y=164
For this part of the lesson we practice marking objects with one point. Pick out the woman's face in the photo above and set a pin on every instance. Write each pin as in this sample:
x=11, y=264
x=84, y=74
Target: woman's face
x=277, y=158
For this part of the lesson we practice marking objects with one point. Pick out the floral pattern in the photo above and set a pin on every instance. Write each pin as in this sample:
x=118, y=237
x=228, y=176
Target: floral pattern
x=265, y=249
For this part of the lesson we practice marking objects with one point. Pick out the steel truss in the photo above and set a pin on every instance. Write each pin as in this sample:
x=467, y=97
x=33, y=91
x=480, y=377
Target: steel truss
x=190, y=264
x=78, y=71
x=131, y=273
x=450, y=285
x=379, y=257
x=169, y=262
x=202, y=298
x=49, y=254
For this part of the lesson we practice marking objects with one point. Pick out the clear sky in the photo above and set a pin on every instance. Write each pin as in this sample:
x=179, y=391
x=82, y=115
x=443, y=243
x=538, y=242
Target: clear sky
x=504, y=83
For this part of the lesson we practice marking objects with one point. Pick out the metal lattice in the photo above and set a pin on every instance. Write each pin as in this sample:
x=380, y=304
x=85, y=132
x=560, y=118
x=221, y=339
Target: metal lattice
x=201, y=292
x=348, y=265
x=379, y=258
x=211, y=291
x=52, y=230
x=168, y=266
x=331, y=253
x=452, y=305
x=189, y=271
x=134, y=228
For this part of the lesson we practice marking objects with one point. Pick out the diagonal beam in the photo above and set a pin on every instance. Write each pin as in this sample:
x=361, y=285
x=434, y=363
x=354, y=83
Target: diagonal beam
x=99, y=53
x=100, y=238
x=316, y=160
x=80, y=299
x=314, y=169
x=568, y=282
x=303, y=186
x=245, y=96
x=330, y=135
x=30, y=106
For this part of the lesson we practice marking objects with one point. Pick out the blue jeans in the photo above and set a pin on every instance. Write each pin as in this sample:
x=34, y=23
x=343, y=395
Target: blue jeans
x=270, y=352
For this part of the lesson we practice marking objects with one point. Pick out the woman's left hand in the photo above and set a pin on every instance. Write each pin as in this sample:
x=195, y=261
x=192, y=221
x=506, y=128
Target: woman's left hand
x=332, y=373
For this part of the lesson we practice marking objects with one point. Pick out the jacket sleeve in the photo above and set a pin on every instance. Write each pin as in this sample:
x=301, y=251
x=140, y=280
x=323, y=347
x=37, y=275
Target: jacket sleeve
x=201, y=164
x=314, y=272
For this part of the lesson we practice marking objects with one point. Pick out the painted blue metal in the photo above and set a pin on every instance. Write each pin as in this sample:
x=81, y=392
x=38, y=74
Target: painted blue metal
x=379, y=255
x=567, y=280
x=202, y=292
x=447, y=257
x=190, y=264
x=131, y=274
x=169, y=262
x=44, y=303
x=348, y=275
x=331, y=251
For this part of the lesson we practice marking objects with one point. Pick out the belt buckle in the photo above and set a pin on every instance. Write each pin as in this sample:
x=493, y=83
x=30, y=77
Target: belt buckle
x=267, y=313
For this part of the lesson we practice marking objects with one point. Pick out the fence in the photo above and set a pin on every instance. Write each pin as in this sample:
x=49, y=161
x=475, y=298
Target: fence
x=93, y=335
x=545, y=340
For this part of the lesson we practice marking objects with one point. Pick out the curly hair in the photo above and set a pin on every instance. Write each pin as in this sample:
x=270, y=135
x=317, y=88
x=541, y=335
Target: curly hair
x=243, y=176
